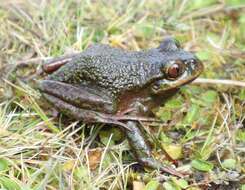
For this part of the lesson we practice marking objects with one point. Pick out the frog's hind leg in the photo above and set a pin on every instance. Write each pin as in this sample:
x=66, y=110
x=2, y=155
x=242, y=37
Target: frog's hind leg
x=77, y=96
x=87, y=116
x=142, y=149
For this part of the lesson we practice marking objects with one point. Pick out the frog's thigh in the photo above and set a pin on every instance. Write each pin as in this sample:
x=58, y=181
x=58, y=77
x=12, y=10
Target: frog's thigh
x=78, y=97
x=87, y=116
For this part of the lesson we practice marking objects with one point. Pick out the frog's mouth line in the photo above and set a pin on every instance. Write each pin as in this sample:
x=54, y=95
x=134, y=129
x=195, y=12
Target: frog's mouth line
x=188, y=76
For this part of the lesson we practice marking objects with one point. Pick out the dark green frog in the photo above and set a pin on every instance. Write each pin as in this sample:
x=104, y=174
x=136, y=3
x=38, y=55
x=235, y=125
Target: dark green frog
x=110, y=85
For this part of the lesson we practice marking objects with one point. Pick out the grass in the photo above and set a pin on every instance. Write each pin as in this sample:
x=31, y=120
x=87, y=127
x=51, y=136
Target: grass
x=204, y=124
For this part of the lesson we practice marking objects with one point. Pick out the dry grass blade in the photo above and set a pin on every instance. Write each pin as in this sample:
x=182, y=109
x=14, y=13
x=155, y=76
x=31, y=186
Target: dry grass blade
x=233, y=83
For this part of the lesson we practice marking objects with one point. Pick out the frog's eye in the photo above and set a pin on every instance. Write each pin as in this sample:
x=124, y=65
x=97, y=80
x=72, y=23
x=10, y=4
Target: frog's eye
x=174, y=70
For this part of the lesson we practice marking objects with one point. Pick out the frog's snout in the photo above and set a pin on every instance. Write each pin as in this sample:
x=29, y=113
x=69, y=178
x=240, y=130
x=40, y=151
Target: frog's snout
x=194, y=68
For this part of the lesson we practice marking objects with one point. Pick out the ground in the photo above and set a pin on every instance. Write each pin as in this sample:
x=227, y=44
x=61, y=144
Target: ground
x=202, y=130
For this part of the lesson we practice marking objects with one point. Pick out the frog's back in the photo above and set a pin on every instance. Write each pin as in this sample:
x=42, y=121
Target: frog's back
x=109, y=68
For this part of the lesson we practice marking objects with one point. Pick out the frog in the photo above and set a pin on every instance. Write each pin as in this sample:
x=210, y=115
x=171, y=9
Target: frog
x=110, y=85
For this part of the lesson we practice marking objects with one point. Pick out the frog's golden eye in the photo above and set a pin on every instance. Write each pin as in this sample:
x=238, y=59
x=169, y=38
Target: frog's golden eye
x=174, y=70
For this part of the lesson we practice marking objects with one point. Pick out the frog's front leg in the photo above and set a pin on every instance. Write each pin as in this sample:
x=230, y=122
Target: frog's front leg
x=142, y=149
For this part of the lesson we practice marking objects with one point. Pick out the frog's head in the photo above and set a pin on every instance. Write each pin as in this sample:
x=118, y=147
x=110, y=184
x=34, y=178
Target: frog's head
x=178, y=67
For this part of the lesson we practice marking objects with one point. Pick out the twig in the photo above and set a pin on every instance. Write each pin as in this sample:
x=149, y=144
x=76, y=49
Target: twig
x=219, y=81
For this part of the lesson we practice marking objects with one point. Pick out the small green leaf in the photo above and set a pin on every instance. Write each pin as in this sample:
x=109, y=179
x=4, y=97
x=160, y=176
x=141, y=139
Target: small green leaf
x=152, y=185
x=229, y=164
x=173, y=150
x=183, y=184
x=202, y=165
x=164, y=114
x=174, y=103
x=170, y=186
x=179, y=183
x=3, y=164
x=193, y=114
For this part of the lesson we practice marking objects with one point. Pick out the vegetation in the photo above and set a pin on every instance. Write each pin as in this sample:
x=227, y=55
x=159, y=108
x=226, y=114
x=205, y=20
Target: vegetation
x=203, y=129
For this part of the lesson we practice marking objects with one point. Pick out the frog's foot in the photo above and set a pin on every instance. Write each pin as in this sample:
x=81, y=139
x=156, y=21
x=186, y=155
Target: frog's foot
x=154, y=164
x=142, y=150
